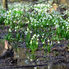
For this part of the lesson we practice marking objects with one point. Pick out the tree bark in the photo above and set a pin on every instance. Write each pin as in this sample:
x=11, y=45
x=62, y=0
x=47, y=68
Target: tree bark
x=34, y=0
x=5, y=4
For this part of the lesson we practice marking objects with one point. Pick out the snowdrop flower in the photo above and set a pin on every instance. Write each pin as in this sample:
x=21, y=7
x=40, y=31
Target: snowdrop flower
x=63, y=27
x=10, y=30
x=35, y=67
x=35, y=24
x=57, y=25
x=30, y=18
x=34, y=35
x=27, y=29
x=14, y=21
x=38, y=35
x=31, y=59
x=58, y=42
x=41, y=25
x=32, y=38
x=16, y=9
x=36, y=42
x=43, y=42
x=26, y=32
x=26, y=61
x=37, y=21
x=31, y=42
x=15, y=30
x=18, y=18
x=27, y=22
x=48, y=40
x=61, y=18
x=30, y=31
x=51, y=43
x=37, y=39
x=42, y=36
x=67, y=28
x=47, y=24
x=10, y=11
x=54, y=23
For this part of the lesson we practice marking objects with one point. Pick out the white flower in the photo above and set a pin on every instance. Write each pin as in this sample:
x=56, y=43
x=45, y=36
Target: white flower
x=26, y=32
x=18, y=18
x=16, y=9
x=31, y=59
x=37, y=39
x=27, y=29
x=36, y=42
x=26, y=61
x=38, y=35
x=63, y=27
x=35, y=67
x=48, y=40
x=15, y=30
x=42, y=36
x=9, y=10
x=31, y=42
x=16, y=27
x=32, y=38
x=51, y=43
x=30, y=31
x=47, y=23
x=54, y=23
x=10, y=30
x=57, y=25
x=43, y=42
x=35, y=24
x=58, y=42
x=34, y=35
x=41, y=25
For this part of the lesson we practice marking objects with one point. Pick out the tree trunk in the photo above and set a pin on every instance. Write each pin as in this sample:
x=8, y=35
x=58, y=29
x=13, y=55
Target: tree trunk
x=34, y=0
x=5, y=4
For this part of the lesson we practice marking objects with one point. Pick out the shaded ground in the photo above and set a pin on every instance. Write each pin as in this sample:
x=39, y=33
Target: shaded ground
x=59, y=54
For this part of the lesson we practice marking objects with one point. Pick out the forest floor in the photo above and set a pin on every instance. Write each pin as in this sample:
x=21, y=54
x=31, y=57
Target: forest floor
x=59, y=53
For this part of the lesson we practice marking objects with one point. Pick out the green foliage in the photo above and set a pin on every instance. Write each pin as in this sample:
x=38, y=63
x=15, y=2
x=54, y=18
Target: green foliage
x=39, y=22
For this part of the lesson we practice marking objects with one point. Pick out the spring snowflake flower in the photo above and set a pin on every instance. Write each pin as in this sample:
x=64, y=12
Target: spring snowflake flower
x=31, y=42
x=10, y=11
x=41, y=25
x=34, y=35
x=27, y=29
x=47, y=24
x=26, y=32
x=51, y=43
x=38, y=35
x=43, y=42
x=42, y=36
x=15, y=30
x=57, y=25
x=48, y=40
x=63, y=27
x=10, y=30
x=58, y=42
x=36, y=42
x=37, y=39
x=30, y=31
x=54, y=23
x=35, y=24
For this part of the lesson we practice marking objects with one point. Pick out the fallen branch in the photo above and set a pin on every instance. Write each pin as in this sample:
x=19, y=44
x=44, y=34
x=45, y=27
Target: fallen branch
x=24, y=66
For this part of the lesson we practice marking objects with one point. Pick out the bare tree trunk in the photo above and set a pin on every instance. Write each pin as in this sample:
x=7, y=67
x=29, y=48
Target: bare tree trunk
x=34, y=0
x=5, y=4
